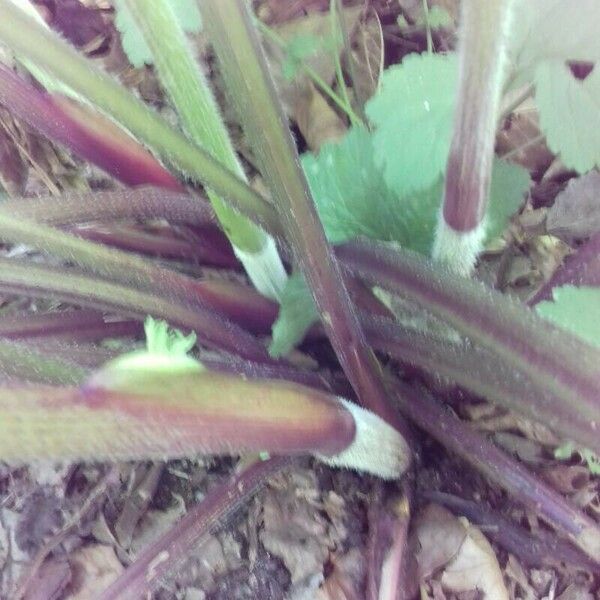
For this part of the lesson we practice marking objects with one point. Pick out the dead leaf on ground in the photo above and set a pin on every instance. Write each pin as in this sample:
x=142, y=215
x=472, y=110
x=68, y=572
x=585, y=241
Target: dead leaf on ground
x=95, y=567
x=518, y=136
x=13, y=168
x=475, y=567
x=315, y=26
x=346, y=579
x=576, y=592
x=576, y=210
x=50, y=580
x=295, y=529
x=316, y=120
x=567, y=479
x=367, y=54
x=439, y=535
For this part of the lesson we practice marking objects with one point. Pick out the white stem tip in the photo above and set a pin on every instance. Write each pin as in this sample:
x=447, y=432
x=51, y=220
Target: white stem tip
x=377, y=447
x=458, y=249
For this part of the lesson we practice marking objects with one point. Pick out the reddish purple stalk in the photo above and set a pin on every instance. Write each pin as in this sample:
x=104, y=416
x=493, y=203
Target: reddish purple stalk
x=538, y=549
x=580, y=269
x=67, y=325
x=214, y=251
x=72, y=286
x=86, y=132
x=174, y=549
x=562, y=370
x=499, y=468
x=142, y=202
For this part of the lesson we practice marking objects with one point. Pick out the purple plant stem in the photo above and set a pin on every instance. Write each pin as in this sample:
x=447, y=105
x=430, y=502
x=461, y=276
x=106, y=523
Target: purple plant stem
x=484, y=28
x=74, y=325
x=254, y=370
x=217, y=252
x=499, y=468
x=245, y=67
x=86, y=132
x=69, y=285
x=539, y=549
x=563, y=369
x=142, y=202
x=226, y=298
x=171, y=551
x=469, y=365
x=580, y=269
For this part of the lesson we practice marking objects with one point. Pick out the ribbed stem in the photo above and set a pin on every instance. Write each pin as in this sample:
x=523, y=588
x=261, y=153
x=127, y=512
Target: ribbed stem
x=202, y=121
x=29, y=39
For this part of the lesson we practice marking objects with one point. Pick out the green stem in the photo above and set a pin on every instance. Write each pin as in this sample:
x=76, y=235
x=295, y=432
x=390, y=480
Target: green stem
x=230, y=26
x=20, y=361
x=427, y=27
x=202, y=121
x=317, y=79
x=337, y=62
x=30, y=40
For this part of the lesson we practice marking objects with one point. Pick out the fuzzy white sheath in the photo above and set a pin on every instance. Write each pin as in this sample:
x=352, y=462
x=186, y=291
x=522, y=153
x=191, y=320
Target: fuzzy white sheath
x=458, y=250
x=377, y=447
x=264, y=268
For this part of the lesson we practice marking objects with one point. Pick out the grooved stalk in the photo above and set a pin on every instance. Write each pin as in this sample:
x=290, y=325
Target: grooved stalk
x=201, y=119
x=29, y=39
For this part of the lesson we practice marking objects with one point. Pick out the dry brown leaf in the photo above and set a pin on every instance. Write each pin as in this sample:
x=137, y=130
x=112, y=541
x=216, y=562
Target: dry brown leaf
x=439, y=535
x=576, y=592
x=94, y=567
x=345, y=582
x=367, y=54
x=50, y=580
x=317, y=121
x=294, y=532
x=517, y=135
x=567, y=479
x=13, y=168
x=576, y=210
x=475, y=567
x=319, y=26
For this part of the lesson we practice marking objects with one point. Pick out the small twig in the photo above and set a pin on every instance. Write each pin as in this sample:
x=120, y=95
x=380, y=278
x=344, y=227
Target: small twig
x=393, y=568
x=538, y=549
x=173, y=549
x=532, y=142
x=427, y=27
x=95, y=496
x=513, y=102
x=498, y=467
x=336, y=20
x=137, y=503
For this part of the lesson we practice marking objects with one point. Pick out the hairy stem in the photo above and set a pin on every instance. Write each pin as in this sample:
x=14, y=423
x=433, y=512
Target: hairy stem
x=202, y=121
x=483, y=63
x=246, y=71
x=29, y=39
x=29, y=279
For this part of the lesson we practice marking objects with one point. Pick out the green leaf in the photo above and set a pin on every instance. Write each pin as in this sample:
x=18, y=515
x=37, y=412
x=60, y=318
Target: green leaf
x=565, y=452
x=509, y=184
x=439, y=17
x=132, y=40
x=576, y=309
x=297, y=312
x=542, y=31
x=353, y=199
x=570, y=114
x=300, y=47
x=413, y=114
x=162, y=340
